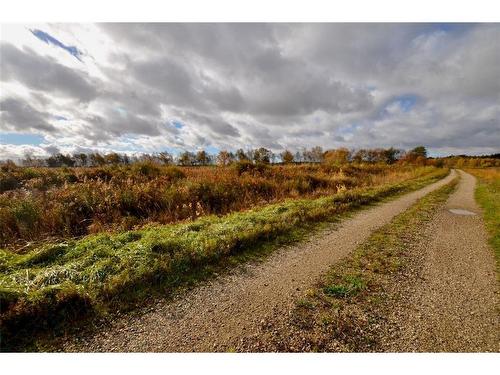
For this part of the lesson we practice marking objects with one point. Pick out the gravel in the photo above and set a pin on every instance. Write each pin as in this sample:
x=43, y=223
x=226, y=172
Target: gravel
x=452, y=303
x=219, y=314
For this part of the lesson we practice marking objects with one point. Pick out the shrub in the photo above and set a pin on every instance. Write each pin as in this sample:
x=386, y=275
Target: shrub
x=27, y=215
x=173, y=173
x=147, y=168
x=8, y=183
x=243, y=166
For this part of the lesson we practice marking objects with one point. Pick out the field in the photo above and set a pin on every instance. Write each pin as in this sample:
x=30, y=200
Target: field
x=91, y=240
x=488, y=196
x=56, y=203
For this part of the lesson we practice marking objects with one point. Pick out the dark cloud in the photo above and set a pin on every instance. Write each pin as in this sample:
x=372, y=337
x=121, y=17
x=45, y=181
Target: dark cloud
x=44, y=74
x=171, y=79
x=119, y=122
x=215, y=124
x=51, y=150
x=18, y=115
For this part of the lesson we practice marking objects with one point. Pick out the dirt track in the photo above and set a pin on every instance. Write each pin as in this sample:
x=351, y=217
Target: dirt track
x=453, y=305
x=214, y=316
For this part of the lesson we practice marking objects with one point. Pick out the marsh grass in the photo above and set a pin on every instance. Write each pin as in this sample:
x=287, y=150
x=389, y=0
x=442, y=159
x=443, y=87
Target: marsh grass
x=73, y=202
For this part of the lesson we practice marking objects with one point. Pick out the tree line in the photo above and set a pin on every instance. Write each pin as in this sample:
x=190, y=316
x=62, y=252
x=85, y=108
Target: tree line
x=225, y=157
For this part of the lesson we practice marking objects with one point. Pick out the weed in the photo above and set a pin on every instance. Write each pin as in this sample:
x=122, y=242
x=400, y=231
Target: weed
x=350, y=286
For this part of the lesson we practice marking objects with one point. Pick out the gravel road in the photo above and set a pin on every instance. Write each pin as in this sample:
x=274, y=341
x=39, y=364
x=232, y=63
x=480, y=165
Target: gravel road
x=217, y=314
x=453, y=307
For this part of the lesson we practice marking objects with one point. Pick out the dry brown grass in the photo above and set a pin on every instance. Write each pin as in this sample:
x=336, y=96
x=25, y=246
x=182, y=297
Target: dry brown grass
x=486, y=173
x=41, y=203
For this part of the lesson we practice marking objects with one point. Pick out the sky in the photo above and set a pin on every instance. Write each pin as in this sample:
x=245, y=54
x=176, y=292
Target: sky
x=152, y=87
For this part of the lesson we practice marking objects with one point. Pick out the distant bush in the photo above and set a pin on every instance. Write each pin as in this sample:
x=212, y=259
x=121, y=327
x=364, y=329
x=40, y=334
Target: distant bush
x=249, y=167
x=173, y=173
x=147, y=168
x=243, y=166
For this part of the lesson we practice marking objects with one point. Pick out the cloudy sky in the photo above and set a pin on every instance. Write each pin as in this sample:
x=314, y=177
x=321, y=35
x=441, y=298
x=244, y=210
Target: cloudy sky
x=154, y=87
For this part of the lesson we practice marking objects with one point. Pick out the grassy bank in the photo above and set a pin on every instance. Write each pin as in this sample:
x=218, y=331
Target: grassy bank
x=47, y=203
x=62, y=282
x=488, y=196
x=343, y=311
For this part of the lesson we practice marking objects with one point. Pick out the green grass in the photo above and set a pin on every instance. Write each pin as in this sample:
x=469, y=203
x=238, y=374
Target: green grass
x=488, y=196
x=350, y=286
x=342, y=307
x=63, y=282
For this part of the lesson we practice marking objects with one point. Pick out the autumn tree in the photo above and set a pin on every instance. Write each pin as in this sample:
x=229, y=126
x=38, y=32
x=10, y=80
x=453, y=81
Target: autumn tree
x=299, y=157
x=391, y=155
x=112, y=158
x=96, y=159
x=262, y=155
x=287, y=157
x=29, y=161
x=337, y=156
x=419, y=151
x=60, y=160
x=317, y=154
x=81, y=159
x=241, y=155
x=314, y=155
x=186, y=158
x=418, y=155
x=202, y=158
x=373, y=155
x=359, y=156
x=225, y=158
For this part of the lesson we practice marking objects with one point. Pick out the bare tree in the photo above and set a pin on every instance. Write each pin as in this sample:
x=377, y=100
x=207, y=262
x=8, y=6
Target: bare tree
x=165, y=158
x=225, y=157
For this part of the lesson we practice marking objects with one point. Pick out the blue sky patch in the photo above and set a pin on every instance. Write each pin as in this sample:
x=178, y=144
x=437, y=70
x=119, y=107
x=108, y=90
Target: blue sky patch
x=49, y=39
x=20, y=139
x=177, y=124
x=348, y=129
x=60, y=118
x=212, y=150
x=406, y=102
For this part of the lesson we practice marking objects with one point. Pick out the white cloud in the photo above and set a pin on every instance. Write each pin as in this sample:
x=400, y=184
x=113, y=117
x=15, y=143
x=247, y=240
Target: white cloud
x=249, y=85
